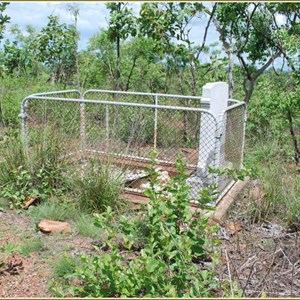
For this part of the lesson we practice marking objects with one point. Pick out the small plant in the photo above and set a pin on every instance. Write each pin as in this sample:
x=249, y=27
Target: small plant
x=100, y=187
x=31, y=245
x=54, y=209
x=64, y=265
x=167, y=263
x=85, y=226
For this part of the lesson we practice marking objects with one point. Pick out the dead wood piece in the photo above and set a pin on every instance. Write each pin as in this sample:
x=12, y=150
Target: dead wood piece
x=30, y=201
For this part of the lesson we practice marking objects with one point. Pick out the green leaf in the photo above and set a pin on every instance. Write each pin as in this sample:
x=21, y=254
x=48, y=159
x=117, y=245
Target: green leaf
x=151, y=265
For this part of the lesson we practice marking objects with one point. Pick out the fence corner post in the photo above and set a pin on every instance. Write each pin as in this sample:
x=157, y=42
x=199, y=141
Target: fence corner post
x=209, y=145
x=217, y=94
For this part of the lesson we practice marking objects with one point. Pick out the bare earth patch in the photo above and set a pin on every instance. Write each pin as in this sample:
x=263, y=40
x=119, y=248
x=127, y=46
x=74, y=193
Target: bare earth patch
x=29, y=276
x=264, y=259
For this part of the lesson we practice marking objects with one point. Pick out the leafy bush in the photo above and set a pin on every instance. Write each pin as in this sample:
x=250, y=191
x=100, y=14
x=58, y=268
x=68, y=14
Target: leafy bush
x=168, y=262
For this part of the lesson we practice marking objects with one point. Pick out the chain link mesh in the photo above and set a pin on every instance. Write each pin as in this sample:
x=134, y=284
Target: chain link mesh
x=54, y=118
x=127, y=133
x=232, y=141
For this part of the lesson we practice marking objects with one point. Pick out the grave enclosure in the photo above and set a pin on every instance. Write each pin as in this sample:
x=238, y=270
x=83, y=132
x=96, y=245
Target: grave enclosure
x=126, y=127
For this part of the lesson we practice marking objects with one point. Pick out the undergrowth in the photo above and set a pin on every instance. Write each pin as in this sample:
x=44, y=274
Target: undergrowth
x=85, y=226
x=280, y=179
x=37, y=173
x=54, y=209
x=166, y=262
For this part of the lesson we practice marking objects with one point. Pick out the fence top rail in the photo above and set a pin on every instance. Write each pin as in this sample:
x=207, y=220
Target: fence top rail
x=146, y=94
x=237, y=104
x=56, y=92
x=234, y=101
x=114, y=103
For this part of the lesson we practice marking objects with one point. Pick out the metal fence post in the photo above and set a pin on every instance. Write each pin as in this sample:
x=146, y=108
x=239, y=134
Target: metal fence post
x=155, y=122
x=107, y=121
x=82, y=125
x=24, y=130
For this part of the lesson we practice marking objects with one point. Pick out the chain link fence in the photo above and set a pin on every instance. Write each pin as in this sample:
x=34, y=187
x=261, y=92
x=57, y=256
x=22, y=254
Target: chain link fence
x=126, y=128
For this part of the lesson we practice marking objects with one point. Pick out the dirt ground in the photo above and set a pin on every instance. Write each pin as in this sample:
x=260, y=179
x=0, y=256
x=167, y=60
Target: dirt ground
x=29, y=276
x=263, y=259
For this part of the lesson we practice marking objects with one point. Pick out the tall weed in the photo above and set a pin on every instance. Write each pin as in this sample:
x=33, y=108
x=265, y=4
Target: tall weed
x=100, y=187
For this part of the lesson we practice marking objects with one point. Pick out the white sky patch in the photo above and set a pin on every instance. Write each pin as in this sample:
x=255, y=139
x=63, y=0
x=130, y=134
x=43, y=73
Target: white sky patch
x=280, y=19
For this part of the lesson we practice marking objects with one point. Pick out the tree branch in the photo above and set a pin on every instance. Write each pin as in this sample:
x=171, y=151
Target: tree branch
x=211, y=16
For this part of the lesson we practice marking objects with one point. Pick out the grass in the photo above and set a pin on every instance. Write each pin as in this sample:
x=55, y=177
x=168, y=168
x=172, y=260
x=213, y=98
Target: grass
x=63, y=265
x=31, y=245
x=53, y=210
x=4, y=204
x=12, y=157
x=281, y=181
x=99, y=188
x=26, y=247
x=85, y=226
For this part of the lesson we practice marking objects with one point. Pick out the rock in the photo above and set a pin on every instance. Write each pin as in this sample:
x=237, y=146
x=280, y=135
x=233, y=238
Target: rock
x=163, y=179
x=48, y=226
x=233, y=227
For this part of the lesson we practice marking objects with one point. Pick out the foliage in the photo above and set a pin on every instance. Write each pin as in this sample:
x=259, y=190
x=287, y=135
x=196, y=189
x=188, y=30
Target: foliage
x=277, y=114
x=18, y=55
x=256, y=37
x=37, y=174
x=167, y=264
x=232, y=173
x=4, y=19
x=56, y=46
x=121, y=25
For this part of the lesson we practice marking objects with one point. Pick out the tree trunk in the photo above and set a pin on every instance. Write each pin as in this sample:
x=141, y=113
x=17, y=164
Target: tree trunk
x=230, y=74
x=53, y=77
x=294, y=138
x=118, y=68
x=76, y=56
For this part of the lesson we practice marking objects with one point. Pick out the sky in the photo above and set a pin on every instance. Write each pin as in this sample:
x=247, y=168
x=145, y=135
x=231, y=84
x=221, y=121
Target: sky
x=92, y=17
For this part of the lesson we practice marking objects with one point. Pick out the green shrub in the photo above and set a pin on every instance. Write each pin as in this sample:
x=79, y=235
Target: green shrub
x=168, y=263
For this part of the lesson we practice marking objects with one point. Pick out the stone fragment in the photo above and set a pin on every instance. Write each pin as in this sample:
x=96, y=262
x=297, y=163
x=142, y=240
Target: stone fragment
x=51, y=227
